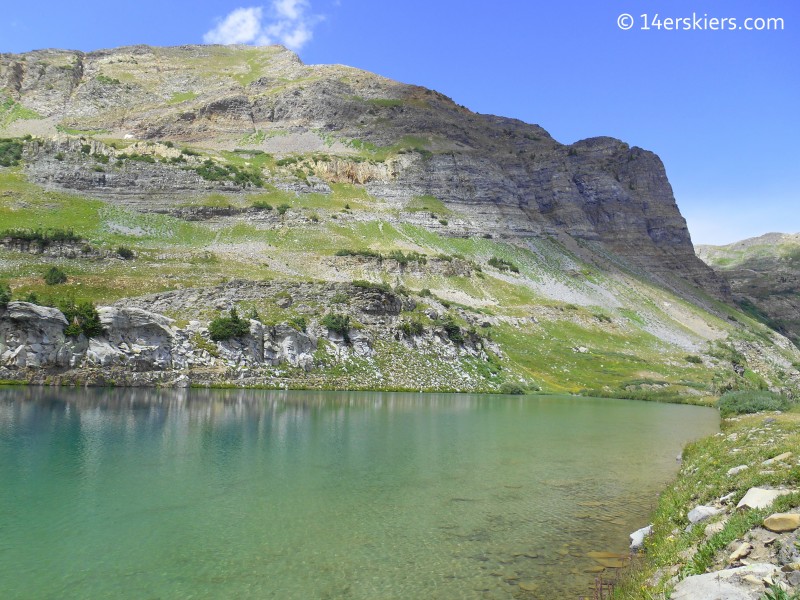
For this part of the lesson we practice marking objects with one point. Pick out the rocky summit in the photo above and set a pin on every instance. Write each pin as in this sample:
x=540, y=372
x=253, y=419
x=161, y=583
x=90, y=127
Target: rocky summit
x=189, y=181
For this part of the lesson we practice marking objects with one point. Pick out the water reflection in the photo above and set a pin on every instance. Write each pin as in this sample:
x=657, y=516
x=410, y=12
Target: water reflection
x=250, y=493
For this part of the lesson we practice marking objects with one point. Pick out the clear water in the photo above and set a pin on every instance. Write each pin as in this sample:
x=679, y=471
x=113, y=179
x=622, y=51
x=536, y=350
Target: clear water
x=252, y=494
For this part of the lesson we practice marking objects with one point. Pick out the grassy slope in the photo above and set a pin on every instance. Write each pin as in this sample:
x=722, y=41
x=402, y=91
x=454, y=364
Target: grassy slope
x=566, y=324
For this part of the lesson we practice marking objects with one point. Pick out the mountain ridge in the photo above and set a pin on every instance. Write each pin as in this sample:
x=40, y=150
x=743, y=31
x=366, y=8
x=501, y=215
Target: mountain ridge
x=598, y=188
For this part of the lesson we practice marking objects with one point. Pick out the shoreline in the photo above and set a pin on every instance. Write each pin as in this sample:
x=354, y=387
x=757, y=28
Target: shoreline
x=681, y=551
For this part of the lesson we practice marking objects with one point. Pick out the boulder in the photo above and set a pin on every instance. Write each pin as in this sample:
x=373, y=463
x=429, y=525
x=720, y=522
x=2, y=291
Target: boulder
x=760, y=497
x=782, y=522
x=701, y=513
x=741, y=583
x=637, y=537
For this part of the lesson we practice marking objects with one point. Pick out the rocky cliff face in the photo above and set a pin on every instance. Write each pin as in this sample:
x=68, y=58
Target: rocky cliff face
x=141, y=347
x=400, y=141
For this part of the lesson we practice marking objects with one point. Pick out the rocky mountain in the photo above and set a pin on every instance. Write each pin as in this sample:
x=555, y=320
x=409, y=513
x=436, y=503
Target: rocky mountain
x=764, y=276
x=177, y=179
x=598, y=189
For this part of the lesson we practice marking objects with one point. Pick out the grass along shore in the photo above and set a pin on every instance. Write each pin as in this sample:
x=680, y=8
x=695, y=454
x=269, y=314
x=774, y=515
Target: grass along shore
x=708, y=477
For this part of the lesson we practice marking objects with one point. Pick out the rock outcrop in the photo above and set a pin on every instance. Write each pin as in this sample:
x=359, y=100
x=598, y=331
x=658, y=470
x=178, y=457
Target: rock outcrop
x=140, y=346
x=32, y=336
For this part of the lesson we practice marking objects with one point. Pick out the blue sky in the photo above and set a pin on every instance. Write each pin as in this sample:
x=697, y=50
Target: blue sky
x=721, y=108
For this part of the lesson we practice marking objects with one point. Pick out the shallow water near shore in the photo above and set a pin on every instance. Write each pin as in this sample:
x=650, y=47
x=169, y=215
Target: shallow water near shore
x=259, y=494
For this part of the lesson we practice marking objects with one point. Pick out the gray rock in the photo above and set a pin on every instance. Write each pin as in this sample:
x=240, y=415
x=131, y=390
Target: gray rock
x=736, y=470
x=637, y=537
x=741, y=583
x=32, y=336
x=284, y=344
x=760, y=498
x=701, y=513
x=25, y=312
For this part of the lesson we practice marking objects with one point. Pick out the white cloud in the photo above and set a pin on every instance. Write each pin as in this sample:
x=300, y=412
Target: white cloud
x=289, y=22
x=242, y=26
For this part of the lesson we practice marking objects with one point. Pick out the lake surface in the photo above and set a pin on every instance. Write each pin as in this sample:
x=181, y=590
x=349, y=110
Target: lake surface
x=301, y=495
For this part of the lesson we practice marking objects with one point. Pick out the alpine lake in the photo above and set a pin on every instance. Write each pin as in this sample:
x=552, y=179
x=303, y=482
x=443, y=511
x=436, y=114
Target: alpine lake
x=201, y=494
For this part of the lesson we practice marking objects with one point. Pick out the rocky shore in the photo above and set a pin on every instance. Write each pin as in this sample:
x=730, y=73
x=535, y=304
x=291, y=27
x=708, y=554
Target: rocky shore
x=729, y=526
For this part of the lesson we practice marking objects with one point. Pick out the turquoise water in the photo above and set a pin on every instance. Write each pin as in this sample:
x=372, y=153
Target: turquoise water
x=253, y=494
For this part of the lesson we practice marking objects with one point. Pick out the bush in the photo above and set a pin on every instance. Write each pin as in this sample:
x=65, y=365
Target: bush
x=54, y=276
x=145, y=158
x=694, y=359
x=10, y=152
x=5, y=295
x=503, y=265
x=262, y=205
x=425, y=293
x=337, y=323
x=403, y=259
x=31, y=297
x=282, y=208
x=746, y=402
x=368, y=285
x=225, y=328
x=43, y=237
x=82, y=318
x=124, y=253
x=511, y=387
x=298, y=323
x=106, y=80
x=340, y=298
x=452, y=329
x=365, y=253
x=412, y=327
